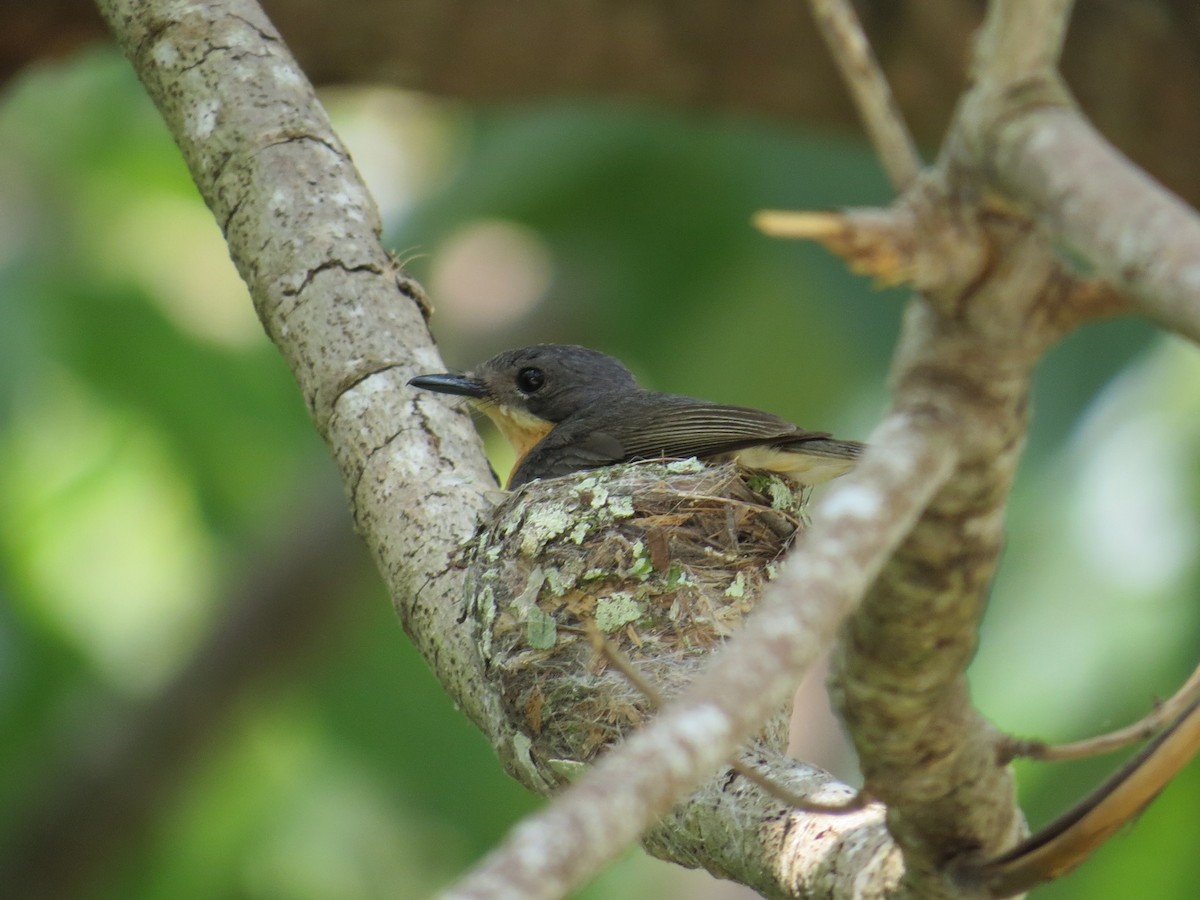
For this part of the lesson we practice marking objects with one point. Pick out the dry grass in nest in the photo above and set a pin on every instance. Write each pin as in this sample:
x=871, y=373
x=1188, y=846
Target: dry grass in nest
x=664, y=559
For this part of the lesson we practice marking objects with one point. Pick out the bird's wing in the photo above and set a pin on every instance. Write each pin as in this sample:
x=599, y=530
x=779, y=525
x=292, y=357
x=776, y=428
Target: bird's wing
x=681, y=427
x=648, y=425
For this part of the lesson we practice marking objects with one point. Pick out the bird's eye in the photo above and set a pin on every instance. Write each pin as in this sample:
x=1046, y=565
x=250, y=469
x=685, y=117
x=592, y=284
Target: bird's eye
x=530, y=380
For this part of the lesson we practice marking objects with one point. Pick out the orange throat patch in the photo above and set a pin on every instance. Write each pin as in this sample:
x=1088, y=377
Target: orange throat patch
x=520, y=428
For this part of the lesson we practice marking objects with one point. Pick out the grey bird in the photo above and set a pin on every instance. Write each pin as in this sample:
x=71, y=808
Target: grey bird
x=566, y=408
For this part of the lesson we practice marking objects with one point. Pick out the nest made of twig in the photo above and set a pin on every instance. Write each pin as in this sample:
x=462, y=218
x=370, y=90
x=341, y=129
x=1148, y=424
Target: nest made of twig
x=662, y=559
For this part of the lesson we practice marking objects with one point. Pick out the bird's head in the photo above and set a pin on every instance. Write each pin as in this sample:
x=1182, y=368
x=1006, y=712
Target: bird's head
x=546, y=381
x=528, y=391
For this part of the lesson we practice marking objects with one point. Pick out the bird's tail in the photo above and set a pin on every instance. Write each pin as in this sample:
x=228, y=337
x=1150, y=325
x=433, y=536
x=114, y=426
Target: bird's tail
x=809, y=461
x=830, y=447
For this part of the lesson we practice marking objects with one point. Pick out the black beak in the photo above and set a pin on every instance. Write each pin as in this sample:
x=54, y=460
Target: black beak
x=462, y=385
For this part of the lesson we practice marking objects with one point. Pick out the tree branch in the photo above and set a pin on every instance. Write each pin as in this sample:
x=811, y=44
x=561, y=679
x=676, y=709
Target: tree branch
x=870, y=89
x=1125, y=225
x=1022, y=128
x=1066, y=842
x=924, y=750
x=1163, y=714
x=305, y=237
x=1021, y=41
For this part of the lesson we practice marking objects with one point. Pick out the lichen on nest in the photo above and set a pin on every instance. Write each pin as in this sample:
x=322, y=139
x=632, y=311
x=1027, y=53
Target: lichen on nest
x=664, y=559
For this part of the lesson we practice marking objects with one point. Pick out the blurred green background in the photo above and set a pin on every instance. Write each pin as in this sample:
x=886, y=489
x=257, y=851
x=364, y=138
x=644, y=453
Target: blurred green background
x=203, y=690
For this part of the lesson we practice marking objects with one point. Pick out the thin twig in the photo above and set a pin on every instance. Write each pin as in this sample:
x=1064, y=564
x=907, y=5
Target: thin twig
x=1066, y=842
x=858, y=800
x=870, y=90
x=1149, y=725
x=623, y=664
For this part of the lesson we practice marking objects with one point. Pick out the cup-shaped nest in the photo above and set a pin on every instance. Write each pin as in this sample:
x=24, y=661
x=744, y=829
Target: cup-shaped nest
x=663, y=560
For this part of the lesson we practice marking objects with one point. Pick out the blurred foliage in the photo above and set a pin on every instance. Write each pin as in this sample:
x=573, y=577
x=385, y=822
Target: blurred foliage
x=152, y=442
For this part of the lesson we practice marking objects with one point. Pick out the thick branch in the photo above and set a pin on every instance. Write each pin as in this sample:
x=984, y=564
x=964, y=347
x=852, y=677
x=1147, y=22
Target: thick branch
x=1021, y=40
x=304, y=235
x=898, y=675
x=924, y=750
x=1129, y=228
x=1020, y=126
x=793, y=853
